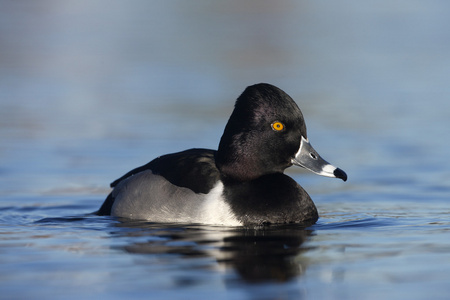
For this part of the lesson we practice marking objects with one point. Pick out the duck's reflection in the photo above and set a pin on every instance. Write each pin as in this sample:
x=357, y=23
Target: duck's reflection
x=266, y=255
x=261, y=254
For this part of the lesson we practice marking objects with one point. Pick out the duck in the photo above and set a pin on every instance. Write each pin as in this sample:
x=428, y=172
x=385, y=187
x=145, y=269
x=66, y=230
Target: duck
x=242, y=183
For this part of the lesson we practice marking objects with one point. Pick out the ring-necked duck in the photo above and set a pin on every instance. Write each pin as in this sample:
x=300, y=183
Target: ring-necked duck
x=242, y=183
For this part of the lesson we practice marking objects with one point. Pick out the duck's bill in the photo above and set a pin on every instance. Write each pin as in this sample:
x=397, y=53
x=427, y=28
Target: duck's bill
x=308, y=158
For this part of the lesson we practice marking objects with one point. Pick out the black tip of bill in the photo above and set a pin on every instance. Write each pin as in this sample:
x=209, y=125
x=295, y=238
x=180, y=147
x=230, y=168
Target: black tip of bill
x=338, y=173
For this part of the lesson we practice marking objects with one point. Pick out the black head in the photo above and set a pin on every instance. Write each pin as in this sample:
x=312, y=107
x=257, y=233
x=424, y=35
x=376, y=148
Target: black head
x=262, y=135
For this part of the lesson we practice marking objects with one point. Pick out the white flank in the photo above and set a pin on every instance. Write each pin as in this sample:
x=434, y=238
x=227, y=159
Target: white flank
x=216, y=211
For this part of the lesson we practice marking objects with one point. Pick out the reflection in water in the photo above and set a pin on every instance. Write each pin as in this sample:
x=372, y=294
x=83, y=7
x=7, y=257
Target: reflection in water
x=266, y=255
x=256, y=254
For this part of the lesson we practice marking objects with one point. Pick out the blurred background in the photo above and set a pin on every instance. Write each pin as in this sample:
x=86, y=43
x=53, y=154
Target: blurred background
x=92, y=89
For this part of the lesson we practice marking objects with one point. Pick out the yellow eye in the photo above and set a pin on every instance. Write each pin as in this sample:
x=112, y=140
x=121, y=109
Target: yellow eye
x=277, y=126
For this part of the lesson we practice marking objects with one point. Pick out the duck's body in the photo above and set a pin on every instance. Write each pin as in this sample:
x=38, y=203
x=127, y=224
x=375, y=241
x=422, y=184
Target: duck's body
x=241, y=183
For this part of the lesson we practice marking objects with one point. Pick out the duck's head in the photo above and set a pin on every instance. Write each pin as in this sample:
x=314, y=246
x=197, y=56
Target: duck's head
x=266, y=133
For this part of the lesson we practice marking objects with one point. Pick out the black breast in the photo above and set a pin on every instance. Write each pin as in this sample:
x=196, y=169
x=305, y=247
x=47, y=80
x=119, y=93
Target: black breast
x=274, y=198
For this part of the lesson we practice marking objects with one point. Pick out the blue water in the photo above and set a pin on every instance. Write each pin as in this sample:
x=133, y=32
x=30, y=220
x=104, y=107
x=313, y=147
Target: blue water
x=89, y=91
